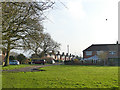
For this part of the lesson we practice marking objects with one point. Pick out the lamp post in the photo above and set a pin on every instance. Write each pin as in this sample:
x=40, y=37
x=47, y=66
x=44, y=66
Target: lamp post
x=68, y=49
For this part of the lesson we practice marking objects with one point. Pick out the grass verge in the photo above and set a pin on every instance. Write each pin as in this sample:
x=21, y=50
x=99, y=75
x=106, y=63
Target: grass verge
x=64, y=76
x=10, y=67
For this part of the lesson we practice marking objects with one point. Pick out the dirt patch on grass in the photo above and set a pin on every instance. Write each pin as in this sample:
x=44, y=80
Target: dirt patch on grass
x=35, y=68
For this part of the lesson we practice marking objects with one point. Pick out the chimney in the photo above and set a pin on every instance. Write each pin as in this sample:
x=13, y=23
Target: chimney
x=117, y=42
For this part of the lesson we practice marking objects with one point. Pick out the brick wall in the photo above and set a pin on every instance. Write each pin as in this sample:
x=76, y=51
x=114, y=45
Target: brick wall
x=86, y=56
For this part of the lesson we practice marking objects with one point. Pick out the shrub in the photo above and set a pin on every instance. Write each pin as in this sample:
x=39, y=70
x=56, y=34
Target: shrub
x=11, y=58
x=21, y=58
x=76, y=61
x=25, y=61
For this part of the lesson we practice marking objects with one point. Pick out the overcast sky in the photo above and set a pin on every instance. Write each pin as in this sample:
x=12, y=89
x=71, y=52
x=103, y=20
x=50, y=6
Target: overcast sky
x=81, y=23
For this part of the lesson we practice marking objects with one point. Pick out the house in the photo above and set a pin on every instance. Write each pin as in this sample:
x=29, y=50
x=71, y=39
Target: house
x=93, y=52
x=2, y=56
x=56, y=56
x=59, y=56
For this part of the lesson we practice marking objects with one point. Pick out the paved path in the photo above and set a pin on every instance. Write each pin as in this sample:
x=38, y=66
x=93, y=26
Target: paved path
x=30, y=68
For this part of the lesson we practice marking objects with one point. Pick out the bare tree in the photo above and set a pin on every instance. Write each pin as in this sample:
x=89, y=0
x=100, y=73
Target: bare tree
x=103, y=57
x=42, y=45
x=19, y=21
x=48, y=44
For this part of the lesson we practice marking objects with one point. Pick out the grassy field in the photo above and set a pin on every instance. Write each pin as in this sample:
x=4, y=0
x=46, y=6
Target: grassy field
x=10, y=67
x=62, y=76
x=0, y=80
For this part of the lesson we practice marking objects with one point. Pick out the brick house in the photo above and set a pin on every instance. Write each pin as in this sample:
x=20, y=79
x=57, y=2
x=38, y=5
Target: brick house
x=59, y=56
x=2, y=56
x=92, y=52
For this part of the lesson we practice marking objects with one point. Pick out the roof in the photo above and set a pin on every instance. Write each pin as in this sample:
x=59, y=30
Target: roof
x=95, y=57
x=103, y=47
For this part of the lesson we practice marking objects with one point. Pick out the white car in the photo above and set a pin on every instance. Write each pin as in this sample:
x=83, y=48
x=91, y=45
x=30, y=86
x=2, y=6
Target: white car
x=14, y=62
x=53, y=61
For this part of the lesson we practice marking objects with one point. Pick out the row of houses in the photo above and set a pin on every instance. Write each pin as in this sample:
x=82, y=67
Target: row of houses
x=93, y=52
x=58, y=56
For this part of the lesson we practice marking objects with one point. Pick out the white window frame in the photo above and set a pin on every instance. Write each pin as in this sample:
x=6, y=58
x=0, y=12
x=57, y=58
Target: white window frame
x=58, y=56
x=88, y=53
x=112, y=52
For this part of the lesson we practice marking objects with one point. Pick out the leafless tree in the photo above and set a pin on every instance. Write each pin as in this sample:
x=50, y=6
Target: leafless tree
x=103, y=57
x=21, y=20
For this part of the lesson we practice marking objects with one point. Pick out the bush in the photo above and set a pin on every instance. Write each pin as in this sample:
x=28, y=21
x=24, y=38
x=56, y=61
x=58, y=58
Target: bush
x=11, y=58
x=69, y=62
x=25, y=61
x=21, y=58
x=76, y=61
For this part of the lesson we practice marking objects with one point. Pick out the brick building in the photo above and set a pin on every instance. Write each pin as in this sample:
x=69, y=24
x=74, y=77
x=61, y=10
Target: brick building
x=92, y=52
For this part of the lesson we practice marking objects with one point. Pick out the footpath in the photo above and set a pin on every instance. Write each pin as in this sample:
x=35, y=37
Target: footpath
x=30, y=68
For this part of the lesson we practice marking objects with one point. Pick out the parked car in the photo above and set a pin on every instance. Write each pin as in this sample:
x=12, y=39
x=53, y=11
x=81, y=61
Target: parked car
x=38, y=61
x=14, y=62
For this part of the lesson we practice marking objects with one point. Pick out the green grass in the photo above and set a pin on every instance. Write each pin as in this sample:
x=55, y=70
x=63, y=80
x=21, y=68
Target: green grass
x=0, y=80
x=10, y=67
x=62, y=76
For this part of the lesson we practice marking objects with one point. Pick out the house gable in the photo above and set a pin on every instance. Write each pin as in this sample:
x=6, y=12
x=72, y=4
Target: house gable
x=112, y=50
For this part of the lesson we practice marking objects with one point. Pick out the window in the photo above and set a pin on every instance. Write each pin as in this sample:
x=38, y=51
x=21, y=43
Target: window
x=88, y=53
x=112, y=52
x=58, y=56
x=63, y=56
x=99, y=52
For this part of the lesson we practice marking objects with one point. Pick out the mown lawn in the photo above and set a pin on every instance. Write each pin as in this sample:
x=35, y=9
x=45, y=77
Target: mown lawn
x=10, y=67
x=62, y=76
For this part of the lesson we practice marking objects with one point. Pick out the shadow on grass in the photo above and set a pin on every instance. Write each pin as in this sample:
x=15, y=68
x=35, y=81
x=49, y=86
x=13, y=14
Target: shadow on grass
x=36, y=70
